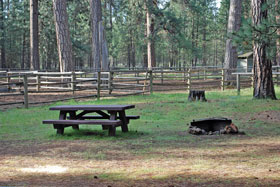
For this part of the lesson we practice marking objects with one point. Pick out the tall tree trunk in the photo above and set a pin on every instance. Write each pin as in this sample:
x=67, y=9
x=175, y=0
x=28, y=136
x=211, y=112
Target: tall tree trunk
x=193, y=40
x=204, y=60
x=277, y=17
x=34, y=36
x=234, y=23
x=23, y=50
x=99, y=44
x=263, y=83
x=128, y=55
x=145, y=55
x=132, y=46
x=150, y=34
x=196, y=40
x=111, y=15
x=104, y=48
x=2, y=27
x=63, y=36
x=95, y=7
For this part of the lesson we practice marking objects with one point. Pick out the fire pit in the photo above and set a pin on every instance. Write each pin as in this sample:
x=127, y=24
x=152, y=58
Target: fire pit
x=212, y=126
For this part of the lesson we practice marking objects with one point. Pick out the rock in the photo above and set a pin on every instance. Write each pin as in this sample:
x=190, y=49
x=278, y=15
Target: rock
x=216, y=133
x=241, y=133
x=195, y=130
x=222, y=131
x=231, y=129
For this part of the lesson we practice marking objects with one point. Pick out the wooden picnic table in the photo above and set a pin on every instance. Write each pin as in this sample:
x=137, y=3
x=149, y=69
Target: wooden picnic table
x=109, y=116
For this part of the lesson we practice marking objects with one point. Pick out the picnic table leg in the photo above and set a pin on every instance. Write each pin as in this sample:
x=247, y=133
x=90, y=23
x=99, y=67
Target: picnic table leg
x=60, y=128
x=105, y=116
x=104, y=127
x=112, y=129
x=124, y=121
x=73, y=116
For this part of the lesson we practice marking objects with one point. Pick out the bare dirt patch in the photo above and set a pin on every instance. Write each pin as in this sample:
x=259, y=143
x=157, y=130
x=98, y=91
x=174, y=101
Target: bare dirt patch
x=267, y=116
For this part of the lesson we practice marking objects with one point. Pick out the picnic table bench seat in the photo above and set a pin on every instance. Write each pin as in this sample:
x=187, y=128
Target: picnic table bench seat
x=101, y=117
x=61, y=124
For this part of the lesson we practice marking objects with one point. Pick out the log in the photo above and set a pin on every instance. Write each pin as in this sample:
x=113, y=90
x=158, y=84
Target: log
x=197, y=95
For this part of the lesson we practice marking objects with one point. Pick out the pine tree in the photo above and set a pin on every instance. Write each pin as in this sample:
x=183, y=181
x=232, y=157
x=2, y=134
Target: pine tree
x=63, y=36
x=263, y=83
x=234, y=23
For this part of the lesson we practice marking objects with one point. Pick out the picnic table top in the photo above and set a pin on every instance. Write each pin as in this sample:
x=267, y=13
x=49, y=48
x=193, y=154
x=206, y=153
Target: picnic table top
x=92, y=107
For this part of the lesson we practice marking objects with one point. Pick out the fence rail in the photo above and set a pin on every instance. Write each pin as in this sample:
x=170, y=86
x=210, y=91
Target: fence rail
x=116, y=82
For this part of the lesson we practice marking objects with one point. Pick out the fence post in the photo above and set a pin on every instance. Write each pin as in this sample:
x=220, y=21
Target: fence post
x=110, y=82
x=238, y=83
x=161, y=76
x=151, y=81
x=98, y=84
x=277, y=76
x=252, y=79
x=8, y=81
x=204, y=73
x=223, y=80
x=25, y=85
x=73, y=80
x=189, y=79
x=184, y=74
x=137, y=74
x=38, y=81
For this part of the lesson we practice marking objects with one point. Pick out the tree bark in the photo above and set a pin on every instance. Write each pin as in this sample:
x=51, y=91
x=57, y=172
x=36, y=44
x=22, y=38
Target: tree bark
x=2, y=27
x=277, y=17
x=96, y=14
x=63, y=36
x=99, y=44
x=104, y=48
x=196, y=39
x=132, y=46
x=34, y=36
x=204, y=59
x=23, y=50
x=111, y=15
x=150, y=34
x=193, y=40
x=234, y=23
x=263, y=83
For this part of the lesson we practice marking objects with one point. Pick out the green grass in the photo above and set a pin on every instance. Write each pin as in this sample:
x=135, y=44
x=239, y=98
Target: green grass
x=160, y=113
x=157, y=146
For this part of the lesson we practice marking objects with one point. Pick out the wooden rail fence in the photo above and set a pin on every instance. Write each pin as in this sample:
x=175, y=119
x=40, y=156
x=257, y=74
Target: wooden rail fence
x=117, y=82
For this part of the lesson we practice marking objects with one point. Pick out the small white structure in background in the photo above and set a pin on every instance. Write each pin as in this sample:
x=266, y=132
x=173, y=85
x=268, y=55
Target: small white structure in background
x=245, y=62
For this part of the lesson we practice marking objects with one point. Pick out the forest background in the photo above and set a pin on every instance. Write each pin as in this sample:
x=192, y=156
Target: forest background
x=185, y=33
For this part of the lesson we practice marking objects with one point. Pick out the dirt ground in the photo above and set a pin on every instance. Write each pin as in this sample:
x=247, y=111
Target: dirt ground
x=84, y=163
x=64, y=163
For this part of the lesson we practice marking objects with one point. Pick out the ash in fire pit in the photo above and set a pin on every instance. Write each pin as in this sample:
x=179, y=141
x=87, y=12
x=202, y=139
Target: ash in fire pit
x=212, y=126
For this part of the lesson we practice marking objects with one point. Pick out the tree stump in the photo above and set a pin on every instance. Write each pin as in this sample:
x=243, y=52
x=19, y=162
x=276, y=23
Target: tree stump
x=197, y=95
